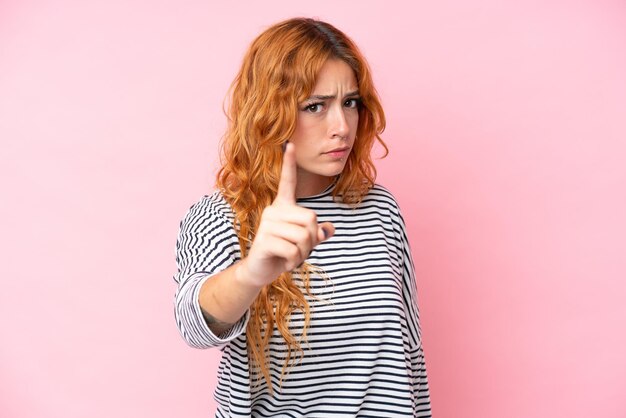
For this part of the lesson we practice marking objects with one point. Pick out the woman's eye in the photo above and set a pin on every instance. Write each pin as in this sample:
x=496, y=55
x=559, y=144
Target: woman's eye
x=314, y=108
x=352, y=103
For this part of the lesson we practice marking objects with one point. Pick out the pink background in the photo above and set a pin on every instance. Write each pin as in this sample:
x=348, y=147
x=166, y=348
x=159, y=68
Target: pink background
x=507, y=128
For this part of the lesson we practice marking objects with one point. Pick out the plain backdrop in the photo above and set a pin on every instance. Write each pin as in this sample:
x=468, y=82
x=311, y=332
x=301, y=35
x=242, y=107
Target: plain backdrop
x=507, y=130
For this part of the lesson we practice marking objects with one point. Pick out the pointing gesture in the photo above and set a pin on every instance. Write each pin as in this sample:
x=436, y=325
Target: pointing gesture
x=287, y=232
x=288, y=177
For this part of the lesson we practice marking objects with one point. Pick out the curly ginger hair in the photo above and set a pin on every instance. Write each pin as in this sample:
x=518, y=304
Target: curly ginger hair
x=278, y=73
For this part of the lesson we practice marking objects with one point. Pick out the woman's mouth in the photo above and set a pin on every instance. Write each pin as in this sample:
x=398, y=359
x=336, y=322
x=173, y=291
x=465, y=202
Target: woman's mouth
x=338, y=152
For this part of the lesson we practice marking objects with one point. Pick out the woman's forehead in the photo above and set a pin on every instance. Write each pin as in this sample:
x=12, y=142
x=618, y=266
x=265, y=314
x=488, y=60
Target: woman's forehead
x=335, y=77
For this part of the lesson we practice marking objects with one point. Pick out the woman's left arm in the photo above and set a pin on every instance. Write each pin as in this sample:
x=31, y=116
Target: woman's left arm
x=409, y=293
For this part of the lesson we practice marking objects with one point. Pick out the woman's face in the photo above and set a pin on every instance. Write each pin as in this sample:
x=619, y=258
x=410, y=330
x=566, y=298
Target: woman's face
x=326, y=127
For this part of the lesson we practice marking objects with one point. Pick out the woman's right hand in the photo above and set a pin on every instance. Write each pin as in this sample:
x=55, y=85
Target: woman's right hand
x=287, y=232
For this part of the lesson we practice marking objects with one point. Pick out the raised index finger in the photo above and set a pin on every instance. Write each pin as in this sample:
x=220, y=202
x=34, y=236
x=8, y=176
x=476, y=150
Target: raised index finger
x=287, y=185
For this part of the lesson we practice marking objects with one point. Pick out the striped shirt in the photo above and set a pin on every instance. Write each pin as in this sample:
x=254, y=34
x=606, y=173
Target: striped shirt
x=363, y=355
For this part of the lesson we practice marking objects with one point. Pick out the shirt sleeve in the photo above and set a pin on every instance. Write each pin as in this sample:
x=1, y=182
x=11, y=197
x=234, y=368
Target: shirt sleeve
x=206, y=245
x=409, y=290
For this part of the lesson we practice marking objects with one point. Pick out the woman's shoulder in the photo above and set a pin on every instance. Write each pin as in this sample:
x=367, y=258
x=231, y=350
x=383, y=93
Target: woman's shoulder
x=210, y=207
x=379, y=188
x=383, y=195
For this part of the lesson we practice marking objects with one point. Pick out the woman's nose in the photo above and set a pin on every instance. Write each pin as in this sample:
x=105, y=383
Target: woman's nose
x=339, y=123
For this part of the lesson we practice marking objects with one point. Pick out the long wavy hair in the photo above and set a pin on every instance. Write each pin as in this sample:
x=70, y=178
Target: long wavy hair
x=278, y=73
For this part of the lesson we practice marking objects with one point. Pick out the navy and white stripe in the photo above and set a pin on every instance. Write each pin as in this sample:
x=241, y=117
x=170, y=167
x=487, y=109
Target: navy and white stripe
x=363, y=356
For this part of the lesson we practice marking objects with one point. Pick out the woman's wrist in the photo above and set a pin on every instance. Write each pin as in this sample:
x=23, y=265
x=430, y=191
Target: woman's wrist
x=245, y=280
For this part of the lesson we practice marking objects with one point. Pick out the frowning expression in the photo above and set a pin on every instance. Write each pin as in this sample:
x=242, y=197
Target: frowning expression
x=326, y=127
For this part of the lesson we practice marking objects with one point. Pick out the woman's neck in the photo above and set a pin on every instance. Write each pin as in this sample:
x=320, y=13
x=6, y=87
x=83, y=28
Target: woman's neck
x=312, y=186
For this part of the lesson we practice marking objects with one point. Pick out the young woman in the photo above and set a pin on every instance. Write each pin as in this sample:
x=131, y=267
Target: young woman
x=298, y=267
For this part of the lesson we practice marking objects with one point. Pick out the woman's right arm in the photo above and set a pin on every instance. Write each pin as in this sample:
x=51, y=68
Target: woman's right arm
x=226, y=297
x=286, y=235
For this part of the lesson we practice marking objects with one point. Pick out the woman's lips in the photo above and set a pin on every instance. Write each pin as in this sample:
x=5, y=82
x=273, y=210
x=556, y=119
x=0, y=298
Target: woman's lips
x=338, y=153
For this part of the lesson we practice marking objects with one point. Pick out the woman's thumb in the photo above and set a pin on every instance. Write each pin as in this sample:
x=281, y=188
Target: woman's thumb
x=324, y=231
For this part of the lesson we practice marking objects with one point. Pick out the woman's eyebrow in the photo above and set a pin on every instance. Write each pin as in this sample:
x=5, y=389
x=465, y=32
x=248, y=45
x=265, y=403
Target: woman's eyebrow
x=327, y=97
